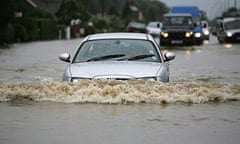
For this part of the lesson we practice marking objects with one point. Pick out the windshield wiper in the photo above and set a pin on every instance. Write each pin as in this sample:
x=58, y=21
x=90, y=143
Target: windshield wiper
x=105, y=57
x=137, y=57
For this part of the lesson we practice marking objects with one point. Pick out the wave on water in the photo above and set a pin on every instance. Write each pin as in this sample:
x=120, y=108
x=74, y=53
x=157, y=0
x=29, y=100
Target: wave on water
x=119, y=92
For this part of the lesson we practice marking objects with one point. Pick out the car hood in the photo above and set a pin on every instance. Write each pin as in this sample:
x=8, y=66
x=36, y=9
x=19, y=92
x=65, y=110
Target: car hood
x=234, y=31
x=111, y=69
x=177, y=28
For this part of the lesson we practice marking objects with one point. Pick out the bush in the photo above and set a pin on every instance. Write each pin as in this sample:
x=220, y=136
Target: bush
x=20, y=33
x=47, y=29
x=31, y=29
x=41, y=29
x=7, y=34
x=100, y=24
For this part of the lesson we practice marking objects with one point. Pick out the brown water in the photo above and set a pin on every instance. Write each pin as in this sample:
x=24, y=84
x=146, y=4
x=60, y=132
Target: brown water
x=200, y=104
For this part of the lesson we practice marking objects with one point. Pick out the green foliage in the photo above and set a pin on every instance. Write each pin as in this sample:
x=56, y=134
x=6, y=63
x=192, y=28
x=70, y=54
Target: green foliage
x=7, y=12
x=7, y=34
x=231, y=12
x=36, y=24
x=32, y=29
x=71, y=9
x=46, y=29
x=101, y=24
x=20, y=33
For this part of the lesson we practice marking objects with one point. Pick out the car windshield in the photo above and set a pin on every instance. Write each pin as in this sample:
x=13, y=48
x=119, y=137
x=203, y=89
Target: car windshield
x=178, y=20
x=117, y=50
x=232, y=25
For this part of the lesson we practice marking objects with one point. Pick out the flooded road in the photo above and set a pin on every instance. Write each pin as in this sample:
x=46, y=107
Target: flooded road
x=199, y=105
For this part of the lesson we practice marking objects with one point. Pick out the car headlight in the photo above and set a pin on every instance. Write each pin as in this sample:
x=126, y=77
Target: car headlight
x=229, y=34
x=188, y=34
x=74, y=80
x=206, y=32
x=164, y=34
x=148, y=78
x=197, y=35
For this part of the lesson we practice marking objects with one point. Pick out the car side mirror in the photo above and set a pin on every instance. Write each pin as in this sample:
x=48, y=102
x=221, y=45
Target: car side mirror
x=65, y=57
x=169, y=56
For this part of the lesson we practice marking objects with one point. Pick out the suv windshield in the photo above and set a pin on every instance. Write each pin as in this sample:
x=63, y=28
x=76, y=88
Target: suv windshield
x=117, y=50
x=178, y=20
x=232, y=25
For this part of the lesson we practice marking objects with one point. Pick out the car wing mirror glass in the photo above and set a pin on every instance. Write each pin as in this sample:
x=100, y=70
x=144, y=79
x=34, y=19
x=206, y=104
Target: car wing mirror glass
x=169, y=56
x=65, y=57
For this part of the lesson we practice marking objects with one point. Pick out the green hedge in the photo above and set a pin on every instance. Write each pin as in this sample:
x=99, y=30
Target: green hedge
x=20, y=33
x=30, y=29
x=7, y=34
x=41, y=29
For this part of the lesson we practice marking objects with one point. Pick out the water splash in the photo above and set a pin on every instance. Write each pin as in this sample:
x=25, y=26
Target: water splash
x=119, y=92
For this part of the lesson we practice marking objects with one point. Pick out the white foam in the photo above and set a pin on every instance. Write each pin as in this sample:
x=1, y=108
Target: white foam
x=119, y=92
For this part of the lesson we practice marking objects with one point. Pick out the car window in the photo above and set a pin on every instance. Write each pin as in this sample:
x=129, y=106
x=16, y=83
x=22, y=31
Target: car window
x=124, y=48
x=232, y=25
x=178, y=20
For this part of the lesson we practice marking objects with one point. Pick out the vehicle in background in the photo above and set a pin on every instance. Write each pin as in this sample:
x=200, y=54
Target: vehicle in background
x=178, y=29
x=196, y=14
x=215, y=28
x=136, y=27
x=154, y=28
x=205, y=30
x=119, y=56
x=228, y=30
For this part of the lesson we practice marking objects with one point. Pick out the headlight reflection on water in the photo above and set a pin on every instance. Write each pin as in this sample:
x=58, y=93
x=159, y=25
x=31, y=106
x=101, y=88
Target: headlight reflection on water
x=228, y=45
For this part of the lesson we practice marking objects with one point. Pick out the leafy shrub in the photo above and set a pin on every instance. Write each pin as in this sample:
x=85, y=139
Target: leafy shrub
x=7, y=34
x=20, y=33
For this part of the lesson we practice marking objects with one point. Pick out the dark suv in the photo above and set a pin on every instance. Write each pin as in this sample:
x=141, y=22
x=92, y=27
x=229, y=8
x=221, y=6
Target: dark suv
x=178, y=29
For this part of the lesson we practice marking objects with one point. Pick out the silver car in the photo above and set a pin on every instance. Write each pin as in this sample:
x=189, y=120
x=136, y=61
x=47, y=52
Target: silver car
x=154, y=28
x=120, y=56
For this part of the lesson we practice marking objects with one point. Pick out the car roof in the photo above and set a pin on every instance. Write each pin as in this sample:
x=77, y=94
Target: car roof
x=230, y=19
x=177, y=14
x=122, y=35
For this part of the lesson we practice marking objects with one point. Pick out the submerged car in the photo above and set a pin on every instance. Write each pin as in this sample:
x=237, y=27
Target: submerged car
x=120, y=56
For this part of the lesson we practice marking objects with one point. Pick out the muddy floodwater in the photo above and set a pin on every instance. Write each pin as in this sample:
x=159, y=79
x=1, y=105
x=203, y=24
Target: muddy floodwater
x=200, y=104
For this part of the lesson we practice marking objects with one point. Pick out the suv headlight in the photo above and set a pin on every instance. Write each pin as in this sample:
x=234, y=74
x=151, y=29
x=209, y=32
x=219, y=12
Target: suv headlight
x=164, y=34
x=197, y=35
x=188, y=34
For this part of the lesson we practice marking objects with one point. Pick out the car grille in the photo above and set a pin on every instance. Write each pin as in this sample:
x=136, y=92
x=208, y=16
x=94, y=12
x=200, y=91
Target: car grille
x=176, y=35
